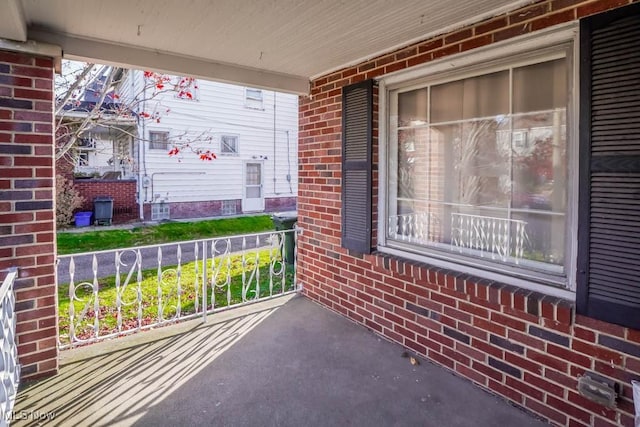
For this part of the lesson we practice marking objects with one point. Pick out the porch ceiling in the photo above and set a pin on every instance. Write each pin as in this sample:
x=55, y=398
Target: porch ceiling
x=276, y=44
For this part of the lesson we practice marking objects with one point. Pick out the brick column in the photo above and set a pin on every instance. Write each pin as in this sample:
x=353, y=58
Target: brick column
x=27, y=215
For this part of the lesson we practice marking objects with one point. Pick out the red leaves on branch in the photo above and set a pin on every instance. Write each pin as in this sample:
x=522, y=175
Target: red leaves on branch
x=207, y=155
x=174, y=151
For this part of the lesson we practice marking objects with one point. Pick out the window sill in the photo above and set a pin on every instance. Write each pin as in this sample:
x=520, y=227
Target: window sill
x=553, y=288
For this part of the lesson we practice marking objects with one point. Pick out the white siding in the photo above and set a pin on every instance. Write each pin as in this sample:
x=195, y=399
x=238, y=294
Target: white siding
x=220, y=109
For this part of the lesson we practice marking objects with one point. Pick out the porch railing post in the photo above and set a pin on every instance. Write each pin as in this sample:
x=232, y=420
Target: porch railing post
x=204, y=281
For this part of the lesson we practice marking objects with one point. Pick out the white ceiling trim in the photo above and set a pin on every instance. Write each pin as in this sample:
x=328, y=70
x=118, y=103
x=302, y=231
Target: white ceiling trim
x=34, y=48
x=476, y=19
x=84, y=49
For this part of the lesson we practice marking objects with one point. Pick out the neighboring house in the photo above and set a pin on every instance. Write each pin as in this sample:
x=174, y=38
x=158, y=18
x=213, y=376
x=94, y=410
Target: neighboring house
x=252, y=132
x=105, y=148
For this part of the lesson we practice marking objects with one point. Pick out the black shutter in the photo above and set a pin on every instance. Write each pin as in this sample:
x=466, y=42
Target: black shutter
x=609, y=214
x=357, y=115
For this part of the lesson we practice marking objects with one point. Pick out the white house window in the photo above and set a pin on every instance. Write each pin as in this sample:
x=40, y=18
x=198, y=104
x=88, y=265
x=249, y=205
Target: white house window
x=83, y=158
x=477, y=166
x=253, y=98
x=159, y=140
x=228, y=144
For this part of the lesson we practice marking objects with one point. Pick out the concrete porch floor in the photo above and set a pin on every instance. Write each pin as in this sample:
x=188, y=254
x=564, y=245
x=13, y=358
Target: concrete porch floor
x=284, y=362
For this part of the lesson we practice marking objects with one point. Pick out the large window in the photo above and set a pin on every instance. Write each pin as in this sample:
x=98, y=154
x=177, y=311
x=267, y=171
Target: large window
x=477, y=166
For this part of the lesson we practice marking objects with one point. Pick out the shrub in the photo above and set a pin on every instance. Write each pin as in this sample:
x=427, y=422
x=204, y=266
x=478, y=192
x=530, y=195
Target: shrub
x=68, y=200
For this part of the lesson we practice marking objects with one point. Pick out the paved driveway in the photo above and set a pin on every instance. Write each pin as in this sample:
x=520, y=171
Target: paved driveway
x=285, y=362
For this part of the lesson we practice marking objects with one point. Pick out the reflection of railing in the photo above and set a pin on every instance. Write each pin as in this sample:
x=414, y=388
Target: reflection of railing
x=9, y=368
x=421, y=227
x=112, y=293
x=499, y=238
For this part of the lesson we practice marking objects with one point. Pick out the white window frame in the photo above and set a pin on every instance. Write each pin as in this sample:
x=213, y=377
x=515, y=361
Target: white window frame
x=227, y=153
x=467, y=64
x=253, y=102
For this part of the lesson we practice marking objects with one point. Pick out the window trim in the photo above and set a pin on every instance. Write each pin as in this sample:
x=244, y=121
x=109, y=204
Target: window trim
x=479, y=61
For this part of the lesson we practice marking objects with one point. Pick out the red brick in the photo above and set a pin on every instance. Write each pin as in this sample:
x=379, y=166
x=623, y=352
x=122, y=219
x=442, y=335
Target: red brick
x=553, y=19
x=568, y=355
x=487, y=371
x=562, y=4
x=508, y=321
x=524, y=387
x=570, y=410
x=430, y=45
x=491, y=25
x=510, y=32
x=528, y=13
x=439, y=358
x=599, y=6
x=32, y=94
x=545, y=411
x=584, y=334
x=548, y=386
x=552, y=362
x=457, y=36
x=597, y=352
x=471, y=374
x=16, y=58
x=507, y=392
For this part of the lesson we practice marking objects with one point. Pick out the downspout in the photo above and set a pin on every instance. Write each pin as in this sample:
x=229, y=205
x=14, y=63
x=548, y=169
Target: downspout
x=274, y=144
x=141, y=148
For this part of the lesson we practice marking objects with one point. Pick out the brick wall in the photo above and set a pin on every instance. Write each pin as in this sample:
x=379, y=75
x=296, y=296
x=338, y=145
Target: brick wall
x=213, y=208
x=280, y=204
x=524, y=346
x=27, y=223
x=123, y=192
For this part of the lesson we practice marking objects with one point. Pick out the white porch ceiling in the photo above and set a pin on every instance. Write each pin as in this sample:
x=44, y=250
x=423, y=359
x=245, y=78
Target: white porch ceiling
x=274, y=44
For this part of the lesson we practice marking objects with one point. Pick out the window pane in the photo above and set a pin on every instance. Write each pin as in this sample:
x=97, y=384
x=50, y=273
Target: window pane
x=412, y=107
x=475, y=97
x=540, y=86
x=253, y=174
x=446, y=102
x=544, y=237
x=486, y=96
x=539, y=161
x=253, y=192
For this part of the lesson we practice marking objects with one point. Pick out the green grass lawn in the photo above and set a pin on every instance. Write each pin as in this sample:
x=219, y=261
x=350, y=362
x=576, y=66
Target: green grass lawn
x=71, y=243
x=227, y=274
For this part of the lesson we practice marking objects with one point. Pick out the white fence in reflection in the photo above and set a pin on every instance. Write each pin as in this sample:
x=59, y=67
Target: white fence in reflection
x=420, y=228
x=484, y=236
x=9, y=367
x=497, y=238
x=111, y=293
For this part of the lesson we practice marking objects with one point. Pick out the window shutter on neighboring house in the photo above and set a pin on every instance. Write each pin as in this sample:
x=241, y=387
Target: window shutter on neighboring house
x=357, y=115
x=609, y=210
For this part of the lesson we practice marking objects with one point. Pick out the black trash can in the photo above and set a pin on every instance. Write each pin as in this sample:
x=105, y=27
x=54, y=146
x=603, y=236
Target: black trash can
x=102, y=210
x=287, y=221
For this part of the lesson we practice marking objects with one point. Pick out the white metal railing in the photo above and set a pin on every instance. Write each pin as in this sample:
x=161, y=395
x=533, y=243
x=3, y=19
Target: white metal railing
x=498, y=238
x=111, y=293
x=9, y=367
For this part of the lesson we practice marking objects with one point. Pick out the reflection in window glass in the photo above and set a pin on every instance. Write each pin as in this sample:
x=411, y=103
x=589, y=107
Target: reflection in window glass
x=481, y=166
